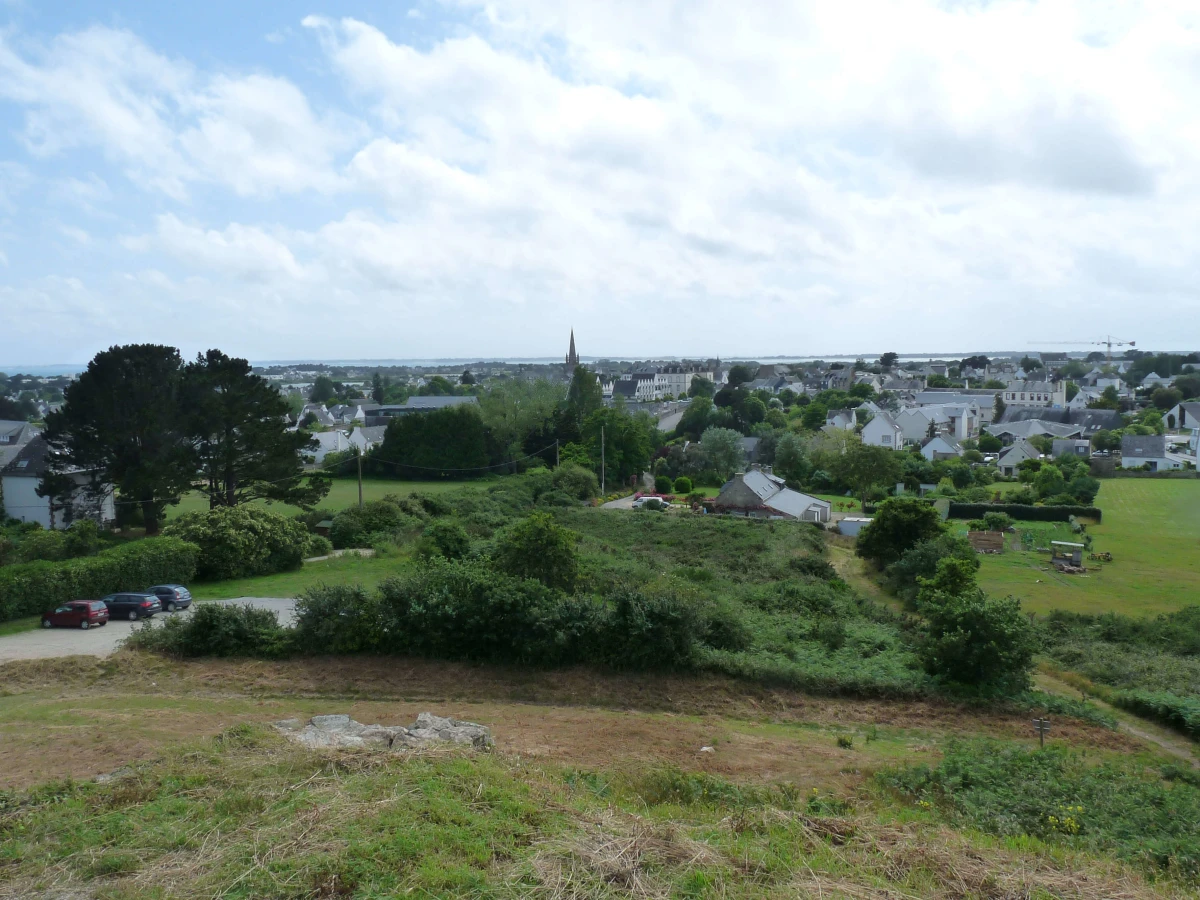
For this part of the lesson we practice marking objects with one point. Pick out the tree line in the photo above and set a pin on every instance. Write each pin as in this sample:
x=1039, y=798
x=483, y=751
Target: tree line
x=153, y=427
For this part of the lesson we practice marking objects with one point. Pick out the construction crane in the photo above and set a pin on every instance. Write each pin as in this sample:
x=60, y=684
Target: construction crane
x=1109, y=342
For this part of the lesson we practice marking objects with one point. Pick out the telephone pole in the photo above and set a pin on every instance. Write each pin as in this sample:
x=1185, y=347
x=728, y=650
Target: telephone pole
x=359, y=456
x=602, y=493
x=556, y=459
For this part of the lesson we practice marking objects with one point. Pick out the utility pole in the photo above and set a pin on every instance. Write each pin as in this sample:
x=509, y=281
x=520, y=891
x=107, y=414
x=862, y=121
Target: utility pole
x=359, y=455
x=556, y=459
x=602, y=493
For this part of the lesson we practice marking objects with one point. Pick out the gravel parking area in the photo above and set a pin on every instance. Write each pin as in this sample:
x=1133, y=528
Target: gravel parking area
x=46, y=643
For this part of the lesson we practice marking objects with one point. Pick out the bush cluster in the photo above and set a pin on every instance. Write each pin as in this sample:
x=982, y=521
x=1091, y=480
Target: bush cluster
x=1180, y=713
x=1028, y=513
x=27, y=589
x=241, y=541
x=216, y=630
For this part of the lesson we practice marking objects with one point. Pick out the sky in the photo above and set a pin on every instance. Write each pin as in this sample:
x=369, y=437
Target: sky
x=474, y=179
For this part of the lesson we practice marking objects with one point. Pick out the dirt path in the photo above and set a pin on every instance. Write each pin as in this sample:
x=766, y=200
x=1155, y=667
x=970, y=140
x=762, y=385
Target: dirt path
x=1164, y=739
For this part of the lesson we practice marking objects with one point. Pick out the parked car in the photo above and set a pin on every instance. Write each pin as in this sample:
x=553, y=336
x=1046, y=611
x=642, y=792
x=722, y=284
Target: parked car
x=132, y=606
x=77, y=614
x=171, y=596
x=650, y=503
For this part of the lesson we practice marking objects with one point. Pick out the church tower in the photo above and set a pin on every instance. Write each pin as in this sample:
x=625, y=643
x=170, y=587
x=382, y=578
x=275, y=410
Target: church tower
x=572, y=356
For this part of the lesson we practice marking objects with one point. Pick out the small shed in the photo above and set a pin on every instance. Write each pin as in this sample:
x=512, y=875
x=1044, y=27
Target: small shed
x=852, y=525
x=1066, y=553
x=323, y=527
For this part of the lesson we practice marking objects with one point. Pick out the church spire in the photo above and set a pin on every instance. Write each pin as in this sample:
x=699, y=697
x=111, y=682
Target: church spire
x=572, y=356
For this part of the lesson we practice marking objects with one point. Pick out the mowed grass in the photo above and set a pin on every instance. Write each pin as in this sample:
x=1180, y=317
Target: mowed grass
x=349, y=569
x=1152, y=528
x=344, y=493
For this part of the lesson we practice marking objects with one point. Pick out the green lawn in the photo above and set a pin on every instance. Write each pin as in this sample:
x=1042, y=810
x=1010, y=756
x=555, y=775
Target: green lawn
x=340, y=570
x=1152, y=528
x=344, y=493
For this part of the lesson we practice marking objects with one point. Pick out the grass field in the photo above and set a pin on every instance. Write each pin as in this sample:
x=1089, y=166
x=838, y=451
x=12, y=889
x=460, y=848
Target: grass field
x=597, y=789
x=1152, y=528
x=344, y=493
x=368, y=571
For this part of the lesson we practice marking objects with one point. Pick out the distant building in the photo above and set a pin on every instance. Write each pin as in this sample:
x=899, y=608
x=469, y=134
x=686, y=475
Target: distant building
x=756, y=494
x=420, y=404
x=20, y=479
x=1036, y=393
x=1071, y=447
x=1147, y=451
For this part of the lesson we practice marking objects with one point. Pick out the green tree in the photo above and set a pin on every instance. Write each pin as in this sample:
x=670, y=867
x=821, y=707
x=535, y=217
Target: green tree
x=1072, y=391
x=695, y=419
x=539, y=548
x=238, y=426
x=753, y=411
x=723, y=447
x=629, y=441
x=584, y=396
x=701, y=387
x=999, y=407
x=898, y=524
x=121, y=422
x=1029, y=364
x=1164, y=398
x=980, y=641
x=864, y=467
x=379, y=386
x=1108, y=399
x=323, y=389
x=813, y=417
x=889, y=359
x=467, y=378
x=953, y=578
x=989, y=443
x=443, y=443
x=740, y=374
x=791, y=460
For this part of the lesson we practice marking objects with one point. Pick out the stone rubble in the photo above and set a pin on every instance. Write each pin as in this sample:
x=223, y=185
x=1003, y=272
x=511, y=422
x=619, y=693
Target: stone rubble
x=429, y=730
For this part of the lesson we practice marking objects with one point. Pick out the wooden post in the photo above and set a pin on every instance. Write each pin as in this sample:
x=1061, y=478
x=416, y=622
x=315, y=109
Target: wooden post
x=359, y=455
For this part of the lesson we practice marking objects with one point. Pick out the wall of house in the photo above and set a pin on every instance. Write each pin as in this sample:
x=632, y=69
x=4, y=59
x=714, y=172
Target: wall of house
x=22, y=503
x=1159, y=464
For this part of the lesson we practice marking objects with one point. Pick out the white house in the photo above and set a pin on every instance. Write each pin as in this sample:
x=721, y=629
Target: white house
x=1012, y=457
x=367, y=438
x=1148, y=451
x=1182, y=416
x=13, y=436
x=19, y=481
x=841, y=418
x=883, y=431
x=1155, y=380
x=675, y=380
x=941, y=447
x=1036, y=393
x=330, y=442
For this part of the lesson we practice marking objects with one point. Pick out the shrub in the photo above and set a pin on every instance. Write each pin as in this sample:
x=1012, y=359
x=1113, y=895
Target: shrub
x=899, y=524
x=50, y=546
x=215, y=629
x=656, y=632
x=241, y=541
x=978, y=641
x=662, y=485
x=538, y=548
x=338, y=618
x=683, y=485
x=1180, y=713
x=465, y=610
x=27, y=588
x=353, y=526
x=445, y=539
x=576, y=482
x=813, y=567
x=1023, y=512
x=316, y=545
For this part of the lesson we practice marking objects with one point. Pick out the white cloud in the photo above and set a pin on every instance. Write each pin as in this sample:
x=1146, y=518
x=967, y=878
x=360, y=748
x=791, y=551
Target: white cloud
x=798, y=177
x=166, y=124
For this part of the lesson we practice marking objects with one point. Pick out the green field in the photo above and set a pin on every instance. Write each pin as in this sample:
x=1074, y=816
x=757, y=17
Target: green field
x=344, y=493
x=1152, y=528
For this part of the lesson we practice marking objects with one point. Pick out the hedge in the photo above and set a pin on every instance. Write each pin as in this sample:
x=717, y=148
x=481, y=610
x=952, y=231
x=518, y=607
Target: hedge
x=1024, y=511
x=27, y=589
x=1180, y=713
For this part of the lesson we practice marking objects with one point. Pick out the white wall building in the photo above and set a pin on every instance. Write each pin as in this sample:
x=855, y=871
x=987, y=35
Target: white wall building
x=1035, y=393
x=19, y=481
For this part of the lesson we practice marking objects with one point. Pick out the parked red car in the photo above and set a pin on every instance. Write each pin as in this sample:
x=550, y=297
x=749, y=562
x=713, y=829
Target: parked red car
x=77, y=614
